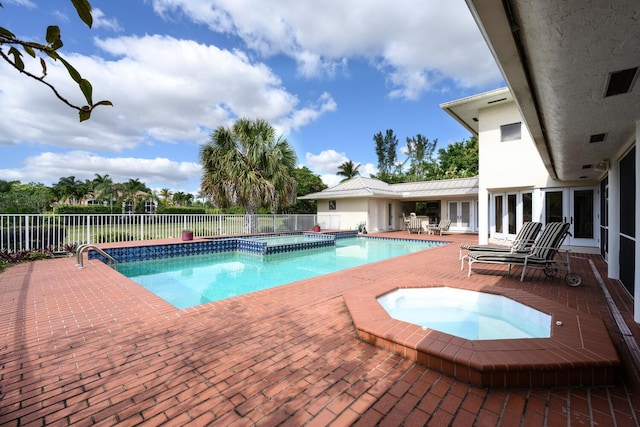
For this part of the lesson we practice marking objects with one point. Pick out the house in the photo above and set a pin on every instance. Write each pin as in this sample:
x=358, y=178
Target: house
x=572, y=70
x=515, y=186
x=381, y=206
x=559, y=144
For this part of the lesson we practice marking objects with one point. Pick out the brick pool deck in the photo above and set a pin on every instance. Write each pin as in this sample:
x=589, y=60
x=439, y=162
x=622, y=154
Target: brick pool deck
x=89, y=347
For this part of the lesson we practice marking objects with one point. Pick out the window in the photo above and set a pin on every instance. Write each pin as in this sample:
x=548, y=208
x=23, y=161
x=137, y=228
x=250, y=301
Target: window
x=511, y=213
x=149, y=207
x=498, y=213
x=553, y=207
x=332, y=205
x=511, y=132
x=527, y=207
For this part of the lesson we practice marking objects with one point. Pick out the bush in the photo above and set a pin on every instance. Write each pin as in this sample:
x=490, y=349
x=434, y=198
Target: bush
x=180, y=210
x=91, y=209
x=234, y=210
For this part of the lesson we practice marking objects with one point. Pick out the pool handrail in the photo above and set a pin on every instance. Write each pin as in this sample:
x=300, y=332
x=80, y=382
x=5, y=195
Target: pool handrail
x=87, y=246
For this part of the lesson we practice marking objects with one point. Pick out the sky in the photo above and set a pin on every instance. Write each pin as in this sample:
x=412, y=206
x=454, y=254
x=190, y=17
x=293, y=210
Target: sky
x=326, y=74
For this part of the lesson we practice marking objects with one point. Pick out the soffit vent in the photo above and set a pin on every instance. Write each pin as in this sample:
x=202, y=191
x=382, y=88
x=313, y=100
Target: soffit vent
x=497, y=100
x=621, y=81
x=586, y=166
x=597, y=137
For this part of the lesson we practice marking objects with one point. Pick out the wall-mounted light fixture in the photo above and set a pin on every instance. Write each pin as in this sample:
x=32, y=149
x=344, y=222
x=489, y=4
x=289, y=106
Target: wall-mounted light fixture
x=601, y=166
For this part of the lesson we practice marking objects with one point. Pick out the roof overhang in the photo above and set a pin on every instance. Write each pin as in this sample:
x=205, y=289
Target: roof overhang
x=557, y=58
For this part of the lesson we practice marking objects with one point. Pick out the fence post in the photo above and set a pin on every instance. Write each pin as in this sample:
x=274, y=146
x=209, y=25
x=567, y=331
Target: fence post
x=27, y=233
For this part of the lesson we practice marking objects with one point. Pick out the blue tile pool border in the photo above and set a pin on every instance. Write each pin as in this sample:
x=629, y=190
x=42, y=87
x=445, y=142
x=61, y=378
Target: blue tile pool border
x=217, y=245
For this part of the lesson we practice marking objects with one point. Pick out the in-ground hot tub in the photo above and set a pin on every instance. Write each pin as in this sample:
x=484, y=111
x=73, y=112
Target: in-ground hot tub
x=578, y=352
x=466, y=314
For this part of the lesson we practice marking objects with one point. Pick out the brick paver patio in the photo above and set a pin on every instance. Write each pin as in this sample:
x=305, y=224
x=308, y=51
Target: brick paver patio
x=88, y=347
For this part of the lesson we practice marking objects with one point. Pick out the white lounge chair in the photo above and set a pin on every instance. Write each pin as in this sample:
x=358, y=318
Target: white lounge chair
x=543, y=255
x=440, y=228
x=523, y=241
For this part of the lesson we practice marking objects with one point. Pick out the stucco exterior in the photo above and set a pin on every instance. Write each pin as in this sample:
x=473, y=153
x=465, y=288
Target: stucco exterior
x=380, y=206
x=514, y=185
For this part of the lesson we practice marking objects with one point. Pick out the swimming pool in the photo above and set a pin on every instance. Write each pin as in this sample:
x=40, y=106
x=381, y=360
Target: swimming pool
x=193, y=280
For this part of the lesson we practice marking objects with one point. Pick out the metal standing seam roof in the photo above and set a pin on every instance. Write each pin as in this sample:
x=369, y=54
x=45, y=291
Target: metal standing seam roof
x=371, y=187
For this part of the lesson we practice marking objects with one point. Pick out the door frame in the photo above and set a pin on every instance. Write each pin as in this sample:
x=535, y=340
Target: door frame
x=457, y=223
x=568, y=213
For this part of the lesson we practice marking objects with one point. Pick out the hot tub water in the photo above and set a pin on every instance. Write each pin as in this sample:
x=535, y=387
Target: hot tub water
x=466, y=314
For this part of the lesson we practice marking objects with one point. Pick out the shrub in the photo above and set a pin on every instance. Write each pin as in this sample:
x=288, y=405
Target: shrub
x=234, y=210
x=180, y=210
x=90, y=209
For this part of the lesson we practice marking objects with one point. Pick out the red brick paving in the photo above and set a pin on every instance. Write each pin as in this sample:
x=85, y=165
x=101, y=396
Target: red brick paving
x=88, y=347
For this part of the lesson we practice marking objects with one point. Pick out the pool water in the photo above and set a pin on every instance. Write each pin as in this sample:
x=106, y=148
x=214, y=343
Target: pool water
x=189, y=281
x=466, y=314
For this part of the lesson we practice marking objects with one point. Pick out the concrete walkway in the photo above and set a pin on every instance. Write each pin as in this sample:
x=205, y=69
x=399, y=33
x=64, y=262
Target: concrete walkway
x=87, y=347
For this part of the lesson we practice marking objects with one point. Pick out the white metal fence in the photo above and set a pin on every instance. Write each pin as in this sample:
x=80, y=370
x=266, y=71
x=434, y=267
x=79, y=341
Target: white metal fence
x=20, y=232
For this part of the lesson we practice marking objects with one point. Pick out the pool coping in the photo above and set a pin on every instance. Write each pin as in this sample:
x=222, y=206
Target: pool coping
x=567, y=358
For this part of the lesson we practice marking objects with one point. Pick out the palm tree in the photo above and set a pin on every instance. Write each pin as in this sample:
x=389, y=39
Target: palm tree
x=165, y=193
x=101, y=185
x=348, y=169
x=181, y=198
x=70, y=190
x=135, y=192
x=247, y=165
x=104, y=188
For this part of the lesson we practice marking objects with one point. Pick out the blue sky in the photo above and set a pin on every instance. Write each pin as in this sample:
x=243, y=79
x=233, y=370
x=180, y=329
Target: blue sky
x=326, y=74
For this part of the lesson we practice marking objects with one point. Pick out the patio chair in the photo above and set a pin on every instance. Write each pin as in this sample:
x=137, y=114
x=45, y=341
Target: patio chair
x=405, y=221
x=523, y=242
x=440, y=227
x=414, y=225
x=543, y=255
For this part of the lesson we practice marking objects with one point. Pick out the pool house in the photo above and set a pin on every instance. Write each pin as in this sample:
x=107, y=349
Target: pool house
x=383, y=207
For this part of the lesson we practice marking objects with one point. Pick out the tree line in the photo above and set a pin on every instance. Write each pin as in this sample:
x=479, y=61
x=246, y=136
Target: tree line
x=247, y=168
x=128, y=196
x=457, y=160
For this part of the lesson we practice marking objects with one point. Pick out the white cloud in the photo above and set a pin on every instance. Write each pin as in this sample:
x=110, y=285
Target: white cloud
x=50, y=167
x=330, y=180
x=26, y=3
x=416, y=44
x=101, y=21
x=326, y=165
x=308, y=114
x=326, y=161
x=163, y=90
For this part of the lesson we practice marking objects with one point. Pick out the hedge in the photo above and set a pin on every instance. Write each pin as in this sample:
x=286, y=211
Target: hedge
x=91, y=209
x=180, y=210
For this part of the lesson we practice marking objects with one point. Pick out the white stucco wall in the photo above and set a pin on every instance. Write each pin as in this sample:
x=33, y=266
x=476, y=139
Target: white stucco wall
x=349, y=213
x=512, y=163
x=514, y=168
